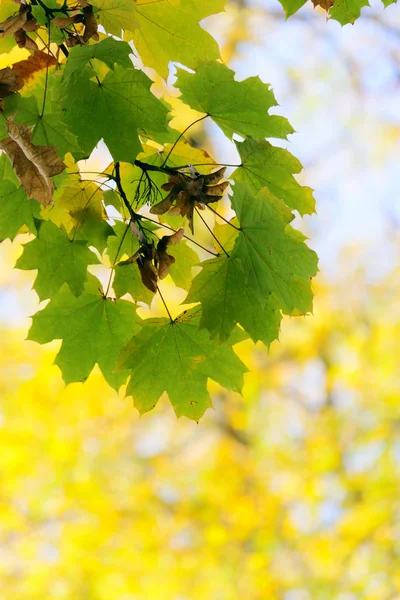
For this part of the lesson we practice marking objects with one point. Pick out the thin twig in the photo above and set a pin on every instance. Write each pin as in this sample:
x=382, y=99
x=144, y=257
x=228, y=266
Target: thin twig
x=223, y=218
x=116, y=257
x=180, y=135
x=213, y=164
x=211, y=231
x=117, y=179
x=47, y=71
x=165, y=304
x=185, y=236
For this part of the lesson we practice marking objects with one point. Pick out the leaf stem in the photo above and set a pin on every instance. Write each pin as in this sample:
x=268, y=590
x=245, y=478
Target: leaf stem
x=47, y=71
x=215, y=164
x=185, y=236
x=117, y=179
x=165, y=304
x=223, y=218
x=211, y=231
x=182, y=134
x=116, y=257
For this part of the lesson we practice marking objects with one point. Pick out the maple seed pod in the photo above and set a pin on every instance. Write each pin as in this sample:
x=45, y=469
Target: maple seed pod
x=163, y=260
x=190, y=192
x=148, y=271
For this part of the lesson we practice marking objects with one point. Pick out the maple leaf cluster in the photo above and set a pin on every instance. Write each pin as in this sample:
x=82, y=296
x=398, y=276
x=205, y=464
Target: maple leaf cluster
x=77, y=85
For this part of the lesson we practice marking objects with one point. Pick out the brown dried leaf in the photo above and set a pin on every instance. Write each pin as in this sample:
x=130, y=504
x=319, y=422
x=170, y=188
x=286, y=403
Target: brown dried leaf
x=38, y=61
x=9, y=82
x=90, y=24
x=33, y=165
x=13, y=24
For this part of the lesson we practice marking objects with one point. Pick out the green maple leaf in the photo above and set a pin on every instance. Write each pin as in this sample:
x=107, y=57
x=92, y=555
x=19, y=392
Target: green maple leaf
x=113, y=109
x=292, y=6
x=178, y=359
x=211, y=90
x=170, y=31
x=181, y=270
x=264, y=165
x=93, y=330
x=343, y=11
x=16, y=210
x=78, y=208
x=225, y=301
x=109, y=51
x=123, y=244
x=274, y=261
x=57, y=259
x=127, y=280
x=6, y=170
x=48, y=128
x=116, y=15
x=347, y=11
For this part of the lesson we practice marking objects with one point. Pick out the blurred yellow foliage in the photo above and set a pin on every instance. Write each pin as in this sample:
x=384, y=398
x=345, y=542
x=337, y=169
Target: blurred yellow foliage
x=291, y=492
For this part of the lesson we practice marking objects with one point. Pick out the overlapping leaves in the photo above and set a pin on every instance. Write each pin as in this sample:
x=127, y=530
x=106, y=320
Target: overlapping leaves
x=155, y=217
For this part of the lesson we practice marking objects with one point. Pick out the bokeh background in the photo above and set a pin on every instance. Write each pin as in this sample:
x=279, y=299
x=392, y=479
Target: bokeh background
x=290, y=492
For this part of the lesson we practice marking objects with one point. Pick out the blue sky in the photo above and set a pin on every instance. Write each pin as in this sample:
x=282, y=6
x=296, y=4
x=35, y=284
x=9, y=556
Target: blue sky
x=339, y=87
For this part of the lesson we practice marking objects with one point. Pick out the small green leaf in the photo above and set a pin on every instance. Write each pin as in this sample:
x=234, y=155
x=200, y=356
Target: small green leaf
x=211, y=90
x=225, y=301
x=16, y=210
x=109, y=51
x=93, y=330
x=178, y=359
x=57, y=259
x=123, y=244
x=127, y=280
x=181, y=269
x=273, y=261
x=292, y=6
x=347, y=11
x=266, y=165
